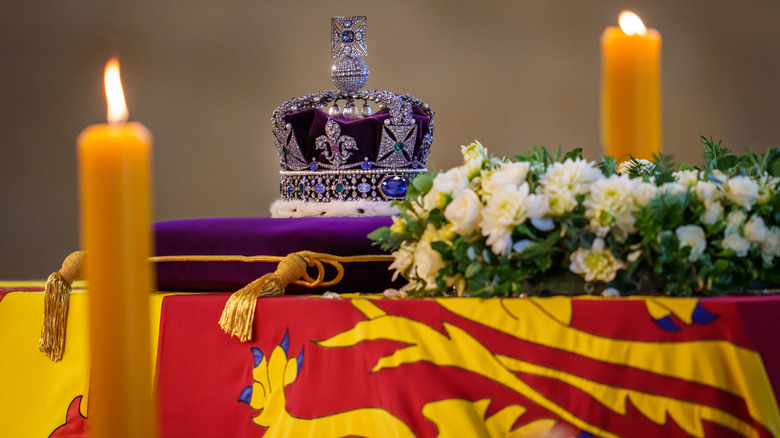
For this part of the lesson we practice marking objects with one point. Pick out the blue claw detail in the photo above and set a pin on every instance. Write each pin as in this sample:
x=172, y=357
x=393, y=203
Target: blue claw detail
x=246, y=395
x=584, y=434
x=667, y=324
x=257, y=355
x=701, y=315
x=286, y=342
x=300, y=360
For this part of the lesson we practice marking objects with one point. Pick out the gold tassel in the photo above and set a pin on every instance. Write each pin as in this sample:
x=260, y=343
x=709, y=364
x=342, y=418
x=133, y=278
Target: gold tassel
x=239, y=314
x=55, y=306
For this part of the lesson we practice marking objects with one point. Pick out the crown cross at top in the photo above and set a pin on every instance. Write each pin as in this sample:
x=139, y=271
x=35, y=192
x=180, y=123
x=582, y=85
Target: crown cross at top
x=348, y=44
x=348, y=36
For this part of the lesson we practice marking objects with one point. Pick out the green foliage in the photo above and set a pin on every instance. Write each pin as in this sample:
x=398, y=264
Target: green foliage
x=663, y=168
x=717, y=157
x=608, y=165
x=420, y=185
x=686, y=166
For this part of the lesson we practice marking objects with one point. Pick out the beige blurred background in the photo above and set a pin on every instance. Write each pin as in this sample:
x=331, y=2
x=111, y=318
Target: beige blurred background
x=204, y=76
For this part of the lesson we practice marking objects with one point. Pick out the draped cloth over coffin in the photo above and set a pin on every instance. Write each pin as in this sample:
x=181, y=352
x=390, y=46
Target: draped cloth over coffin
x=438, y=367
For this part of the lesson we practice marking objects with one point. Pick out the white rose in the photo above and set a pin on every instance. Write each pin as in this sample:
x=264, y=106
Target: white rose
x=713, y=213
x=597, y=263
x=686, y=177
x=473, y=151
x=742, y=191
x=561, y=182
x=734, y=221
x=427, y=263
x=451, y=183
x=692, y=236
x=474, y=156
x=472, y=167
x=506, y=209
x=609, y=203
x=737, y=243
x=770, y=247
x=672, y=188
x=736, y=217
x=538, y=207
x=575, y=175
x=755, y=230
x=707, y=191
x=643, y=192
x=561, y=201
x=509, y=174
x=464, y=212
x=459, y=180
x=402, y=259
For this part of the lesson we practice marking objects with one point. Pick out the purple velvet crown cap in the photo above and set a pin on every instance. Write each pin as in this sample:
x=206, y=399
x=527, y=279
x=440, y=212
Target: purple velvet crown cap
x=308, y=124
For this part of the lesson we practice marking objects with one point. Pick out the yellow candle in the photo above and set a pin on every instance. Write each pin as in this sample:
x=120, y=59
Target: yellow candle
x=114, y=172
x=631, y=89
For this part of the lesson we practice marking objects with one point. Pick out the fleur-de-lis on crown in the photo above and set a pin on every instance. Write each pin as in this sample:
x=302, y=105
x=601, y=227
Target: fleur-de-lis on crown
x=335, y=146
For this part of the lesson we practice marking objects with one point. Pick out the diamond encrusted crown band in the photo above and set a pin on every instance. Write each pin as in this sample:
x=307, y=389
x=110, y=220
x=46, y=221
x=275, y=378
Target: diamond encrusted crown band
x=343, y=154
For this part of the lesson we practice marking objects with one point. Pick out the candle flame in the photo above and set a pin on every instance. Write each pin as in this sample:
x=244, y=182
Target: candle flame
x=631, y=24
x=117, y=108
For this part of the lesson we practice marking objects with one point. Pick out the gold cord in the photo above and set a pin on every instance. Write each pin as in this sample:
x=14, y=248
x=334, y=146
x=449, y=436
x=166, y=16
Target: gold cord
x=239, y=313
x=265, y=258
x=237, y=317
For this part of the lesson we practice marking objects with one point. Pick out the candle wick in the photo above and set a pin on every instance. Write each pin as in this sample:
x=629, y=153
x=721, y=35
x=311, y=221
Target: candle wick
x=114, y=120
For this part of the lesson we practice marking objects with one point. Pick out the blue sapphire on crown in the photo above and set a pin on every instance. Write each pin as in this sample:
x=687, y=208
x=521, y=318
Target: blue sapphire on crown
x=394, y=187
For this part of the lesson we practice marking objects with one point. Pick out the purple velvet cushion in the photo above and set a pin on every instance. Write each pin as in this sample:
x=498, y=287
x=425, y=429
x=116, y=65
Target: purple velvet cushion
x=267, y=236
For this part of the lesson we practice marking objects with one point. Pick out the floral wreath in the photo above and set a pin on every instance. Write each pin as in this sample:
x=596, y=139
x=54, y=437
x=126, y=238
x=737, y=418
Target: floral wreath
x=542, y=224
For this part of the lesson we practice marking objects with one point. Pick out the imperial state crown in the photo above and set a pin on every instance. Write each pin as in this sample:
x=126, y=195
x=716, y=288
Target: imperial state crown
x=341, y=161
